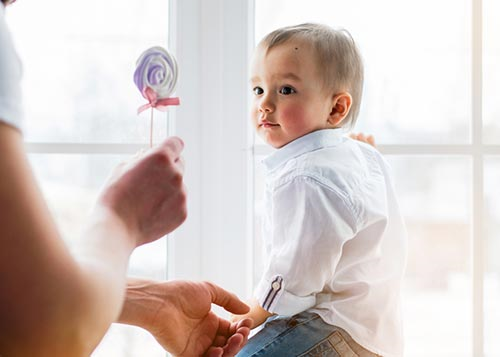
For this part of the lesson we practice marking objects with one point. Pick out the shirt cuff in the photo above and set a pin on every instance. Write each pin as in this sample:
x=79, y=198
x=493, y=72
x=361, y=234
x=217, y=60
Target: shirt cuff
x=273, y=297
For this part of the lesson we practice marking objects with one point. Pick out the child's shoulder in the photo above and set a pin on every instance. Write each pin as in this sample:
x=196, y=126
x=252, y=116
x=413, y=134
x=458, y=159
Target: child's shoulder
x=316, y=168
x=347, y=166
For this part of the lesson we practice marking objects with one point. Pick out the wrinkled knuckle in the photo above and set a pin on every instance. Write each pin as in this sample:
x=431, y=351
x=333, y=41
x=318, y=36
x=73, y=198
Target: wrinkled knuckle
x=163, y=158
x=208, y=284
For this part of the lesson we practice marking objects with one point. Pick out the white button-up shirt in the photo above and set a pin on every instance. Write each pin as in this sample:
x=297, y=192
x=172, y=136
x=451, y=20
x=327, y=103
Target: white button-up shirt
x=334, y=239
x=10, y=77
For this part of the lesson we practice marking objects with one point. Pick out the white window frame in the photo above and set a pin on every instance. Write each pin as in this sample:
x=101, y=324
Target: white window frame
x=213, y=41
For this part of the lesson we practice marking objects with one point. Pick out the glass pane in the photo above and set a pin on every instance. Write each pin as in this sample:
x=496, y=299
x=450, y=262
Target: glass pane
x=492, y=251
x=491, y=70
x=71, y=184
x=437, y=294
x=79, y=58
x=417, y=70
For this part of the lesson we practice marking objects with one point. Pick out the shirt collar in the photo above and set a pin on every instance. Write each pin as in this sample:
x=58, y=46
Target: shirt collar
x=307, y=143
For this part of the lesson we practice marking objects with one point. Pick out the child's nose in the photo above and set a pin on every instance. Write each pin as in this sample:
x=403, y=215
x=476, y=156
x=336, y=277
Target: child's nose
x=266, y=104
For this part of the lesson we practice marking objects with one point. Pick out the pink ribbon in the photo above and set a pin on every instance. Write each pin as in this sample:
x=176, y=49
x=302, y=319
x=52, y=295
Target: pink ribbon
x=161, y=104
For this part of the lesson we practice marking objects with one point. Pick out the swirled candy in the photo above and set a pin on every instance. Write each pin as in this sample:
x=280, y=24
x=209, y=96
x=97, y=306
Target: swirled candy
x=156, y=77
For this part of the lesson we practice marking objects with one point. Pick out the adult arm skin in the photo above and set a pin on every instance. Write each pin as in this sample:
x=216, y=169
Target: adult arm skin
x=178, y=314
x=57, y=302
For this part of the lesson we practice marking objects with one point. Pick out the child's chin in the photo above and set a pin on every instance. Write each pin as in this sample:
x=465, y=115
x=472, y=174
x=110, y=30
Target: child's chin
x=277, y=145
x=273, y=143
x=273, y=140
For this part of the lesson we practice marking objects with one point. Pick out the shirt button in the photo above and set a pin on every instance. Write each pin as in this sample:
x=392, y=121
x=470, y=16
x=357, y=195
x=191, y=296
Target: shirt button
x=276, y=285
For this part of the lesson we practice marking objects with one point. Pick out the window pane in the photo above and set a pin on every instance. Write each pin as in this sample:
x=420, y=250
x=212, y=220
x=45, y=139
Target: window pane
x=491, y=70
x=437, y=292
x=71, y=184
x=417, y=67
x=492, y=255
x=79, y=58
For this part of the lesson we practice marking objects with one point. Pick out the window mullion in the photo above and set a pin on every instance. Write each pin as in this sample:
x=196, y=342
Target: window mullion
x=82, y=148
x=477, y=189
x=211, y=44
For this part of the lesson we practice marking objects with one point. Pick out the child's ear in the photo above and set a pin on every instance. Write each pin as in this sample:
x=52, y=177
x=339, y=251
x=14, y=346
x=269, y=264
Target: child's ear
x=341, y=104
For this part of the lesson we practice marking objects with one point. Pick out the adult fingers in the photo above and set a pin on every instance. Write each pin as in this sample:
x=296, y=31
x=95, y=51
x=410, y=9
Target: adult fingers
x=234, y=344
x=214, y=352
x=180, y=163
x=246, y=323
x=231, y=336
x=239, y=338
x=227, y=300
x=174, y=145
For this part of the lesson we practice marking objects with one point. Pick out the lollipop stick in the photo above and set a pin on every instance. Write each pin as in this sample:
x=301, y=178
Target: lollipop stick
x=151, y=130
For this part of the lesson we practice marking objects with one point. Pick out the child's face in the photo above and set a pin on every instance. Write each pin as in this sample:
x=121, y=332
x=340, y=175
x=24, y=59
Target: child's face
x=289, y=98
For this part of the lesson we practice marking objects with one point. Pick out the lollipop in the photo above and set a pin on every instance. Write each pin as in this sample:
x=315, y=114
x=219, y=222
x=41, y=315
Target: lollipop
x=156, y=76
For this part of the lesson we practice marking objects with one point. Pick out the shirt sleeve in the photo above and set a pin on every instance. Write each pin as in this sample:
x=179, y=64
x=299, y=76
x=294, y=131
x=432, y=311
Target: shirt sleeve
x=10, y=78
x=310, y=222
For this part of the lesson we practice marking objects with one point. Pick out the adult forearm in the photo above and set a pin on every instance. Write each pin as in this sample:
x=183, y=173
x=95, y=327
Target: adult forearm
x=50, y=302
x=72, y=303
x=35, y=265
x=102, y=253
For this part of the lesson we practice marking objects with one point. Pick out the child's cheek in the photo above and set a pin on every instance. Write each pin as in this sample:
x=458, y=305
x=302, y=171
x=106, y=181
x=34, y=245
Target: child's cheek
x=294, y=116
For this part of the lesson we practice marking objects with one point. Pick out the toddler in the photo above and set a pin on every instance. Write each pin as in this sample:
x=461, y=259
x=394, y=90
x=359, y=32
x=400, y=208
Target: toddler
x=334, y=238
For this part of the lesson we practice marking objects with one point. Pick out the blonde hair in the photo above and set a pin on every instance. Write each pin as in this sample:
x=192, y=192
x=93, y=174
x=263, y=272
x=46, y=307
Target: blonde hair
x=338, y=57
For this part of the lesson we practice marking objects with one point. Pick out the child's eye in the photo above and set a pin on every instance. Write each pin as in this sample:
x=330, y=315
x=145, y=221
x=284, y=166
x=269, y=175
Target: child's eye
x=286, y=90
x=258, y=91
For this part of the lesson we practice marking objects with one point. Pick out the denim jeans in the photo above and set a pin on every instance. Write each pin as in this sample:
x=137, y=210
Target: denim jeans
x=302, y=335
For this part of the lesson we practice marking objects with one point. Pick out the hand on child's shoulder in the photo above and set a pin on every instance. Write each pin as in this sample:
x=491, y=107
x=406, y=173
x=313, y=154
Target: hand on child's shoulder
x=369, y=139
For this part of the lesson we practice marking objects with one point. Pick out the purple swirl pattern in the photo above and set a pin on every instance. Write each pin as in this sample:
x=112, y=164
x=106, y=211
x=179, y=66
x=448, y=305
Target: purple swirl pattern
x=156, y=69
